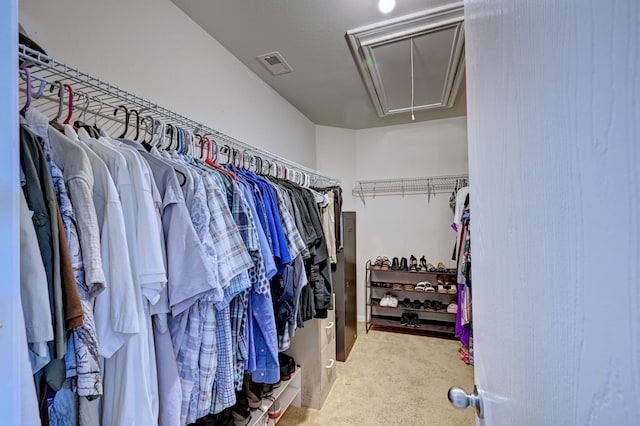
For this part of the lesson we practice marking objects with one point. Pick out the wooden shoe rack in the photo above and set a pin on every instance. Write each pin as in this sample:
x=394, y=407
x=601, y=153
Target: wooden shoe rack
x=433, y=322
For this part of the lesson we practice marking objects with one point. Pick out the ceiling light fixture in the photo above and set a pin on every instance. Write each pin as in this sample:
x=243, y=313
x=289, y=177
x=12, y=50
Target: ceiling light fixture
x=386, y=6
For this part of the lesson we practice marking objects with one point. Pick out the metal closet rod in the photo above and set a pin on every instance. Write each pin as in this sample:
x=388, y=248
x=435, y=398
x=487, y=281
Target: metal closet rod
x=405, y=186
x=108, y=93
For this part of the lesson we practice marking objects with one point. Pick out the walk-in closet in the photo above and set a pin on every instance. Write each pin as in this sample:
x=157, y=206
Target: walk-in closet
x=355, y=212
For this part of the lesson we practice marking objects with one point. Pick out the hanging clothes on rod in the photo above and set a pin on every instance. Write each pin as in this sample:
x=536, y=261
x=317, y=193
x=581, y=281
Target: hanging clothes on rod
x=171, y=278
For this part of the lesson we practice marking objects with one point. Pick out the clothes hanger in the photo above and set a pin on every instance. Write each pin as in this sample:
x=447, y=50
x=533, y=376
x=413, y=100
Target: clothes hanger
x=185, y=142
x=143, y=121
x=84, y=111
x=81, y=124
x=60, y=100
x=177, y=141
x=258, y=168
x=201, y=140
x=169, y=130
x=95, y=117
x=126, y=119
x=176, y=148
x=192, y=144
x=245, y=157
x=145, y=143
x=188, y=142
x=27, y=103
x=236, y=157
x=80, y=96
x=159, y=133
x=212, y=155
x=180, y=146
x=43, y=85
x=70, y=113
x=225, y=148
x=135, y=111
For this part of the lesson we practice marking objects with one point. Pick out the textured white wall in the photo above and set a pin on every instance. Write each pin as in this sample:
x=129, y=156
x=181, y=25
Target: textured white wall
x=395, y=225
x=151, y=48
x=553, y=90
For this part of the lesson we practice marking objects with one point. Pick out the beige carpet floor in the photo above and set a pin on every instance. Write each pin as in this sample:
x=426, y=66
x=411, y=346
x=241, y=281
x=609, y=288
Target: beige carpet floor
x=393, y=379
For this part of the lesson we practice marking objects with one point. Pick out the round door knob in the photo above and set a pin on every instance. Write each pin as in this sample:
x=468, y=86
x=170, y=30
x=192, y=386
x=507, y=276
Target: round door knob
x=459, y=398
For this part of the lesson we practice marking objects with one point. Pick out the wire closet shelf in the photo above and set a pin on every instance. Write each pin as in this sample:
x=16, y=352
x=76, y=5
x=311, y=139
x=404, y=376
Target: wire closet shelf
x=429, y=186
x=87, y=88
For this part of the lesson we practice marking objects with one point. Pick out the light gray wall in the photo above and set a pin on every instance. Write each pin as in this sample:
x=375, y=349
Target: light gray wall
x=395, y=225
x=151, y=48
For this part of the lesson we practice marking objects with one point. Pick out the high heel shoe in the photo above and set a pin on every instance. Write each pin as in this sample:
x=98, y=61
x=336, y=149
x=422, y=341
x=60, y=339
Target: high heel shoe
x=395, y=265
x=403, y=264
x=423, y=265
x=413, y=264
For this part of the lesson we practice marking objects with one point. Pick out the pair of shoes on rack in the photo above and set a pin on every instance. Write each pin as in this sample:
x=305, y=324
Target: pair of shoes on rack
x=410, y=320
x=446, y=284
x=411, y=265
x=407, y=303
x=381, y=263
x=389, y=301
x=241, y=411
x=287, y=366
x=414, y=266
x=252, y=393
x=435, y=305
x=452, y=308
x=440, y=268
x=425, y=286
x=399, y=265
x=226, y=417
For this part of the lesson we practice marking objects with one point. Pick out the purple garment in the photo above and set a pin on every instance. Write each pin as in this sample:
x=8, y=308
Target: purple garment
x=463, y=332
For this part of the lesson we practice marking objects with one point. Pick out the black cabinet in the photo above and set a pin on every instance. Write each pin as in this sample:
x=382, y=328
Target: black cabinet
x=344, y=282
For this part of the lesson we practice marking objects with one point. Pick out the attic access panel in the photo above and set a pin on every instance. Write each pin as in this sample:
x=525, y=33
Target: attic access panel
x=383, y=55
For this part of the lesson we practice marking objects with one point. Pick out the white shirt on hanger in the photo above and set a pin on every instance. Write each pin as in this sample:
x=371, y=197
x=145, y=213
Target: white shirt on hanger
x=116, y=311
x=132, y=397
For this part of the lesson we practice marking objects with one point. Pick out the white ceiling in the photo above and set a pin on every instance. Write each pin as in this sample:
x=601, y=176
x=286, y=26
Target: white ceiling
x=325, y=84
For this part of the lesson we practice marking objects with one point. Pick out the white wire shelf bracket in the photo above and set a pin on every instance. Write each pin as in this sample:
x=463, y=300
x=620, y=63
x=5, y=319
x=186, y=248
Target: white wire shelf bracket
x=429, y=186
x=45, y=69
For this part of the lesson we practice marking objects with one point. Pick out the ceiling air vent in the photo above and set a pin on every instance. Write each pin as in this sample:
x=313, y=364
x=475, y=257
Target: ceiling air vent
x=275, y=63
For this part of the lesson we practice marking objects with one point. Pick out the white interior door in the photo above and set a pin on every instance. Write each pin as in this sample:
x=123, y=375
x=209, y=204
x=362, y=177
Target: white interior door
x=554, y=159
